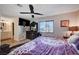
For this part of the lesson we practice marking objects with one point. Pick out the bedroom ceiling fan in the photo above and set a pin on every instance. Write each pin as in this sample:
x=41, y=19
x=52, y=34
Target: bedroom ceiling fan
x=31, y=11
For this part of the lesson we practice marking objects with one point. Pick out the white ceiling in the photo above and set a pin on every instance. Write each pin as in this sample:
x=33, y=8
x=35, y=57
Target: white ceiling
x=46, y=9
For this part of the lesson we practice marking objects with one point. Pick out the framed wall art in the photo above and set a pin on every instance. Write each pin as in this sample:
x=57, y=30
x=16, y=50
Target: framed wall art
x=64, y=23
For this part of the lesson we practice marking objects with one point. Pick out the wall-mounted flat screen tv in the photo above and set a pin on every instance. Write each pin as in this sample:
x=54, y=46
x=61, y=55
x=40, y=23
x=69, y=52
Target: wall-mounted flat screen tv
x=24, y=22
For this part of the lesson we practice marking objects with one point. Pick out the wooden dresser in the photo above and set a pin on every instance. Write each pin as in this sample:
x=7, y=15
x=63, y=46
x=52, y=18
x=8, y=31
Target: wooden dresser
x=32, y=34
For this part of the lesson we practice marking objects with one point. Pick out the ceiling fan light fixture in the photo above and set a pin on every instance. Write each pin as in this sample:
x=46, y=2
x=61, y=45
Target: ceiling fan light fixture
x=32, y=16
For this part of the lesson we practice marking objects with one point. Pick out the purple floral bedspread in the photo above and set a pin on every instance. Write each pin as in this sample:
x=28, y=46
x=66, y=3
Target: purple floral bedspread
x=45, y=46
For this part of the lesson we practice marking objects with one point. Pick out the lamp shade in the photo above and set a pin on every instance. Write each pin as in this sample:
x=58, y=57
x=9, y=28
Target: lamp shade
x=74, y=28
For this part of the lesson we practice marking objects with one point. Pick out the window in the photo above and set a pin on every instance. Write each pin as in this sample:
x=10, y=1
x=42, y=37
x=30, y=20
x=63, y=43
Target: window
x=45, y=26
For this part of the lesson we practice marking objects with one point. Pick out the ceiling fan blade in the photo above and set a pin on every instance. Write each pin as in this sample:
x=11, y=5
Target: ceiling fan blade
x=32, y=16
x=38, y=14
x=31, y=8
x=25, y=13
x=32, y=11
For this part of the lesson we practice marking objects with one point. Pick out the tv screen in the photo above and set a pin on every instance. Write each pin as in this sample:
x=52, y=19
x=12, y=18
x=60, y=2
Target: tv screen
x=24, y=22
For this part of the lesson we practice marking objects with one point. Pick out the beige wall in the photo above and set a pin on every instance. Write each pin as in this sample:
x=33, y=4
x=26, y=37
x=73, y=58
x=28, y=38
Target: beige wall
x=6, y=32
x=72, y=17
x=78, y=18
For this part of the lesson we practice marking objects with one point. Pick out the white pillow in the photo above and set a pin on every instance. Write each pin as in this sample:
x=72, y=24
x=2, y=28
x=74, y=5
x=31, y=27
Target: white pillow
x=73, y=38
x=76, y=33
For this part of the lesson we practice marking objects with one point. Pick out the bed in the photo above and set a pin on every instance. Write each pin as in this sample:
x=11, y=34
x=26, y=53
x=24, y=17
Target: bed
x=46, y=46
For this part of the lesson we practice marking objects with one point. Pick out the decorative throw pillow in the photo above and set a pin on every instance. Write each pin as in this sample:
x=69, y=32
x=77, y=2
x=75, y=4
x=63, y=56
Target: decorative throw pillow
x=76, y=33
x=77, y=45
x=73, y=38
